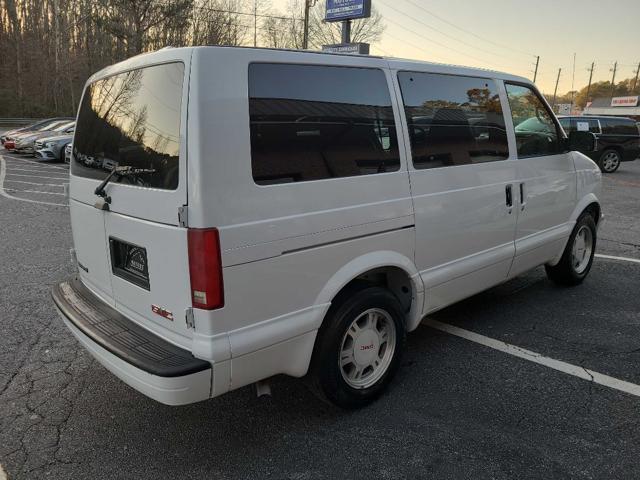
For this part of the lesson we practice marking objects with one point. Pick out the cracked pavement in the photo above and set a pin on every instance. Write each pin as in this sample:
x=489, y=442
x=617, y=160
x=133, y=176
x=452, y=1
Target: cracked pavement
x=456, y=410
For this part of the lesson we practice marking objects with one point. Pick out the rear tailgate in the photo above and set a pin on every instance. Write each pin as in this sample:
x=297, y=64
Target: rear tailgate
x=128, y=236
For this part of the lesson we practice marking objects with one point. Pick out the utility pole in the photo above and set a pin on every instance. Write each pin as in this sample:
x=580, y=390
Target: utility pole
x=346, y=31
x=635, y=80
x=573, y=82
x=255, y=23
x=535, y=74
x=613, y=79
x=593, y=64
x=305, y=39
x=555, y=92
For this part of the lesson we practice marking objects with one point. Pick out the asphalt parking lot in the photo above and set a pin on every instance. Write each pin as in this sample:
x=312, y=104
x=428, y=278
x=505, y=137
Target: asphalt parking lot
x=468, y=403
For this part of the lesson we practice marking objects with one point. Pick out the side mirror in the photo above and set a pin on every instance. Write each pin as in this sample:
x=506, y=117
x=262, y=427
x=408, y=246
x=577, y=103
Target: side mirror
x=583, y=142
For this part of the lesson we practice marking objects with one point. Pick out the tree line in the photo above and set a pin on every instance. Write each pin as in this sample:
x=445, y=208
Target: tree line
x=49, y=48
x=580, y=98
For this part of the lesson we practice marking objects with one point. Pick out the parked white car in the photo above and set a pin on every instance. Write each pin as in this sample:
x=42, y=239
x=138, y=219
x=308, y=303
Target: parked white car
x=67, y=152
x=298, y=213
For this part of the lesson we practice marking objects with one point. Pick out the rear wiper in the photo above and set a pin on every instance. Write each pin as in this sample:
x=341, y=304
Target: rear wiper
x=120, y=172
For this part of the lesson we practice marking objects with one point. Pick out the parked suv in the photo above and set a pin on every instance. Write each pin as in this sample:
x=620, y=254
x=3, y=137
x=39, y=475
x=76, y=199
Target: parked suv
x=618, y=138
x=259, y=212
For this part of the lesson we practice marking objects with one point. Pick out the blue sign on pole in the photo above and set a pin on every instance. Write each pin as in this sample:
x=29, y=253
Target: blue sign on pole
x=340, y=10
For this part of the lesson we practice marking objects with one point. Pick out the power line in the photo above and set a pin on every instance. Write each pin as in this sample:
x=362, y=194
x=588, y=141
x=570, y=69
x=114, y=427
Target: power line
x=441, y=32
x=440, y=44
x=468, y=31
x=414, y=46
x=234, y=12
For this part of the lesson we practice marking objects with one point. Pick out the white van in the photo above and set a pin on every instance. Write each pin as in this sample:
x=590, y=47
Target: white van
x=239, y=213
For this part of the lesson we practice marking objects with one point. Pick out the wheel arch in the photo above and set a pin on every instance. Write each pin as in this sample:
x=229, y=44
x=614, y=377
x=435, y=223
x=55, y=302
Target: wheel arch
x=588, y=203
x=390, y=269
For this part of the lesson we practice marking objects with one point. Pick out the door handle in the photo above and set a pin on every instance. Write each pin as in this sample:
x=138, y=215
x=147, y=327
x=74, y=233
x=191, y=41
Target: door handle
x=509, y=195
x=523, y=201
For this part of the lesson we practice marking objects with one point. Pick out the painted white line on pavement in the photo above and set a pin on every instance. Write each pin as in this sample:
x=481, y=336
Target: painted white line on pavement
x=19, y=160
x=3, y=172
x=17, y=169
x=34, y=183
x=37, y=176
x=534, y=357
x=622, y=259
x=31, y=191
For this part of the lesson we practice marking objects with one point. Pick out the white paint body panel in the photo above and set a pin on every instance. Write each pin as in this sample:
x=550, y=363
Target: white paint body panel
x=288, y=249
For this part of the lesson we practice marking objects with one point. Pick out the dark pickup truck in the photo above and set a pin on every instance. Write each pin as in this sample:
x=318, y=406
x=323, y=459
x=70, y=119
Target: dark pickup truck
x=618, y=138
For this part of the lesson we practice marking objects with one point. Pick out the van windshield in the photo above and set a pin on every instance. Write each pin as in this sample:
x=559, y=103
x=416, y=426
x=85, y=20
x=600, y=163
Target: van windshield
x=131, y=119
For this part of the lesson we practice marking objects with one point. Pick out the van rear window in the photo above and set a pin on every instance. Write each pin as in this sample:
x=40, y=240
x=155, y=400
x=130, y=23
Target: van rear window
x=131, y=119
x=313, y=122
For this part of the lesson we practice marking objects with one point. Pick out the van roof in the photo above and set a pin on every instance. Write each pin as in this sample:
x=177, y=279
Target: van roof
x=393, y=62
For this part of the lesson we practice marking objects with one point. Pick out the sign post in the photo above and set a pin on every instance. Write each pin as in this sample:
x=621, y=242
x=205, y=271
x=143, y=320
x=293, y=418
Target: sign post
x=344, y=11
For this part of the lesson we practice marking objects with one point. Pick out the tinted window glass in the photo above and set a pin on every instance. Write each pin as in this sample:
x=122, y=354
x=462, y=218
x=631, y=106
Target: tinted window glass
x=617, y=126
x=314, y=122
x=594, y=125
x=566, y=123
x=536, y=132
x=569, y=124
x=453, y=120
x=131, y=119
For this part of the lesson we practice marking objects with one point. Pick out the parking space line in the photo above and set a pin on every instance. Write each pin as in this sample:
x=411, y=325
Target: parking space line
x=32, y=191
x=16, y=169
x=37, y=176
x=564, y=367
x=19, y=160
x=34, y=183
x=622, y=259
x=3, y=173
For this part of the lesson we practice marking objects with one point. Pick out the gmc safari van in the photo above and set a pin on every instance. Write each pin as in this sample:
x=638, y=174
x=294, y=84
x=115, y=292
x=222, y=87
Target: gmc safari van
x=241, y=213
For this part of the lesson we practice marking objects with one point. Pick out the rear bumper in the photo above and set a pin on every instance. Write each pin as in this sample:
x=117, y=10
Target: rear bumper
x=142, y=360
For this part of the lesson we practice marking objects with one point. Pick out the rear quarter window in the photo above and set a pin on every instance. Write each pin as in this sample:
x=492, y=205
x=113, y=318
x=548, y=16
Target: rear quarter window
x=311, y=122
x=615, y=126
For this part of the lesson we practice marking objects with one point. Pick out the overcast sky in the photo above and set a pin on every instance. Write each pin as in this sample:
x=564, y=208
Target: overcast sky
x=506, y=35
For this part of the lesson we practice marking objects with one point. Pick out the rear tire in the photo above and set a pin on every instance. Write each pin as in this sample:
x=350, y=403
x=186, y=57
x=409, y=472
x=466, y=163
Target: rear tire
x=609, y=161
x=576, y=261
x=359, y=347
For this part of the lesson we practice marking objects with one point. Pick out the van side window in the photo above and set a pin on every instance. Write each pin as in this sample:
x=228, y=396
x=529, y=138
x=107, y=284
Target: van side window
x=313, y=122
x=537, y=134
x=453, y=120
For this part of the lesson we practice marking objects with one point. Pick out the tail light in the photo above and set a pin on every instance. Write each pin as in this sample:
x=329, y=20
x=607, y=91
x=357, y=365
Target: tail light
x=205, y=268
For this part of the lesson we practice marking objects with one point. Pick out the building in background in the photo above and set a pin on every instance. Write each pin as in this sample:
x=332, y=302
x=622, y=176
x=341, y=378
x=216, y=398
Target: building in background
x=617, y=106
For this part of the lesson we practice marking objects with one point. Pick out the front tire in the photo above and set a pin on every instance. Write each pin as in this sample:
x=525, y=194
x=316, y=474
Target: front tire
x=61, y=157
x=609, y=161
x=359, y=347
x=576, y=261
